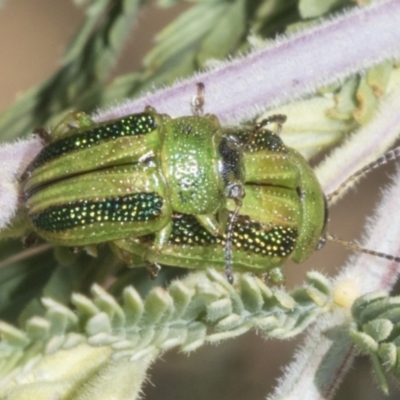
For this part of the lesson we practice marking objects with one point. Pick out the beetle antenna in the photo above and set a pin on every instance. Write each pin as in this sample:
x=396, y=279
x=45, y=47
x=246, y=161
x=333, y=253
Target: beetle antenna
x=279, y=119
x=228, y=242
x=237, y=193
x=353, y=246
x=198, y=100
x=382, y=160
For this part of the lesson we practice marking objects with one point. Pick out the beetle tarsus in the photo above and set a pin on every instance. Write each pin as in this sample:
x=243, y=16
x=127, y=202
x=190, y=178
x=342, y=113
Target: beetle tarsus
x=229, y=276
x=43, y=134
x=153, y=269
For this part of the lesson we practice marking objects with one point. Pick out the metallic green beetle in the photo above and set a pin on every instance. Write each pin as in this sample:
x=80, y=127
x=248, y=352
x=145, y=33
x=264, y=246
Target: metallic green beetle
x=181, y=192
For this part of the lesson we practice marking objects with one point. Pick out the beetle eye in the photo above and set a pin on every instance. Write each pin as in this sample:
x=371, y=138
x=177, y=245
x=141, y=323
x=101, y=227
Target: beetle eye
x=235, y=191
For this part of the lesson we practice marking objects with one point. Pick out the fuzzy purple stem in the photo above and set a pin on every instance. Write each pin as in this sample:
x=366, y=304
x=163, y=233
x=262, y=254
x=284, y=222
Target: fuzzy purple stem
x=290, y=68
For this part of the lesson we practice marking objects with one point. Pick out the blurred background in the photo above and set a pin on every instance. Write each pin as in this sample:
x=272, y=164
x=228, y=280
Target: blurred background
x=33, y=35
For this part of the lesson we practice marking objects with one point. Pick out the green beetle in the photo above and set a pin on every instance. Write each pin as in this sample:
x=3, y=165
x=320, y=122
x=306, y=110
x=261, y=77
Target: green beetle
x=176, y=191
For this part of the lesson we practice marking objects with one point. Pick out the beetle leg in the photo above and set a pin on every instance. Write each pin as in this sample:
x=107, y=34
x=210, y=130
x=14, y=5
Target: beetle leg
x=209, y=222
x=279, y=119
x=134, y=254
x=30, y=240
x=150, y=109
x=275, y=275
x=70, y=121
x=153, y=268
x=43, y=135
x=91, y=250
x=129, y=252
x=162, y=236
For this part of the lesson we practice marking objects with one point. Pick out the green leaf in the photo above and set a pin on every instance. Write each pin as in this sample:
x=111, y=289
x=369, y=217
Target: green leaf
x=379, y=329
x=315, y=8
x=86, y=64
x=226, y=34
